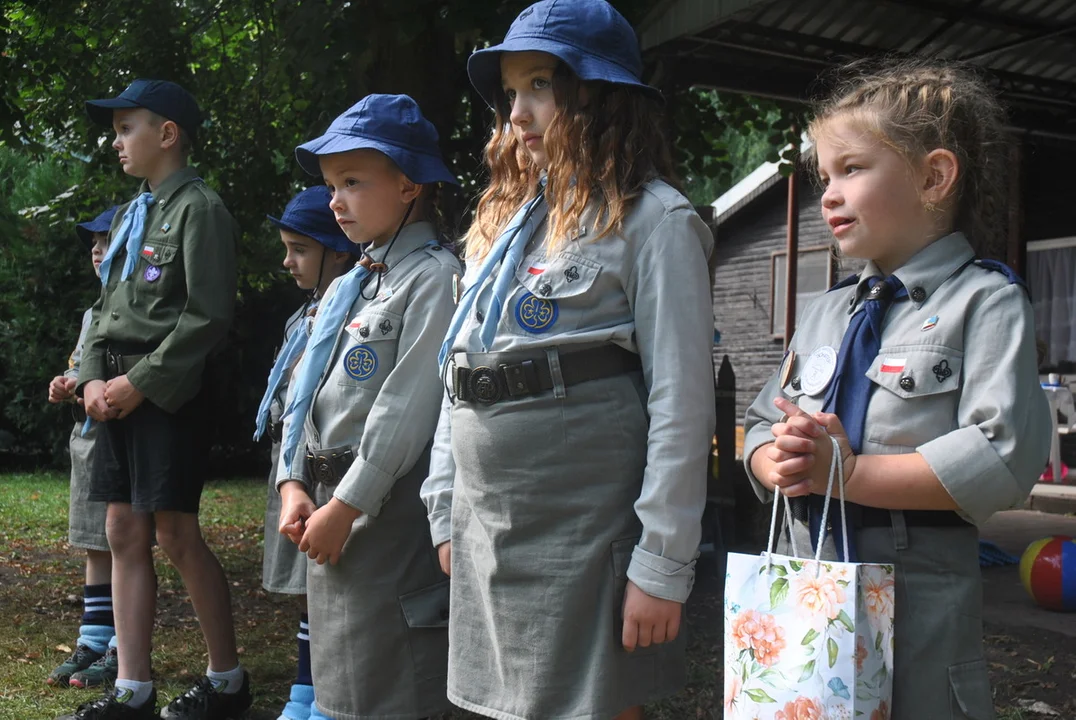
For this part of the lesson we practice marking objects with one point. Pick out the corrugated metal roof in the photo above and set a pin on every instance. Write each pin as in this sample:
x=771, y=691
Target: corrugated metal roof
x=1029, y=45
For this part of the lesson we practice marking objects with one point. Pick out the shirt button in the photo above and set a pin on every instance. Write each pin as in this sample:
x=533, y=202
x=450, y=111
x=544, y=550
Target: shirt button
x=919, y=294
x=795, y=383
x=115, y=315
x=479, y=316
x=436, y=247
x=907, y=383
x=545, y=289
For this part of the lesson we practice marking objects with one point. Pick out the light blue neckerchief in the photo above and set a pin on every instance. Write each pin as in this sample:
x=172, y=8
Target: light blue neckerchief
x=284, y=361
x=130, y=233
x=509, y=246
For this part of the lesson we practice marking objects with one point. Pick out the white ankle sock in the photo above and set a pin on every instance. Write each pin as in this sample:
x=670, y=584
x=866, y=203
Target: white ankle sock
x=133, y=693
x=228, y=682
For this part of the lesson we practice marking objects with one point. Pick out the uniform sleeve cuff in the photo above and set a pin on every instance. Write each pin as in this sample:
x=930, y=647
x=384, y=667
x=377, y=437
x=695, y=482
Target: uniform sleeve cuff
x=661, y=577
x=91, y=368
x=441, y=526
x=973, y=473
x=365, y=487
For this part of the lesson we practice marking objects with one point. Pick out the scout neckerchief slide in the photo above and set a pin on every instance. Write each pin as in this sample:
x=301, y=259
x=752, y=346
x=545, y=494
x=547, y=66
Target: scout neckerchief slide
x=807, y=634
x=508, y=251
x=130, y=233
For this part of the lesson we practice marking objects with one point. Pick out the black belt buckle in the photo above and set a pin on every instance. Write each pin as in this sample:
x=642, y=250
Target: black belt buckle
x=482, y=385
x=327, y=467
x=276, y=431
x=113, y=361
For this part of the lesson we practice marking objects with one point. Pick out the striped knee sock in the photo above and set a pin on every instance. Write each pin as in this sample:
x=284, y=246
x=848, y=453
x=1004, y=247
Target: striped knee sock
x=304, y=676
x=98, y=625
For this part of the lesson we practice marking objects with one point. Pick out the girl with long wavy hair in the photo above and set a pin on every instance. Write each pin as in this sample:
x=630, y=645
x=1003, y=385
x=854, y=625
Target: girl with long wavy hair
x=567, y=477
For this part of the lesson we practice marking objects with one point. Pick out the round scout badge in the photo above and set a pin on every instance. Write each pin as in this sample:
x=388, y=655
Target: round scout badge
x=818, y=370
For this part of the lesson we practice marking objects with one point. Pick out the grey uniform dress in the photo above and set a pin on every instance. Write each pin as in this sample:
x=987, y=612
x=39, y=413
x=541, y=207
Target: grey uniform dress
x=283, y=566
x=378, y=638
x=85, y=518
x=956, y=381
x=552, y=502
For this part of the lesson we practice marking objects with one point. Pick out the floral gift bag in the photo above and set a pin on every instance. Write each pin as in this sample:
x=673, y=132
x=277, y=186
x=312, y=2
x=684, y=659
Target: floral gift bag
x=807, y=639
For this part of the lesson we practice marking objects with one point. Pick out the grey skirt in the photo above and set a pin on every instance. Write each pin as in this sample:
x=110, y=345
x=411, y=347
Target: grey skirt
x=85, y=517
x=543, y=528
x=283, y=566
x=379, y=617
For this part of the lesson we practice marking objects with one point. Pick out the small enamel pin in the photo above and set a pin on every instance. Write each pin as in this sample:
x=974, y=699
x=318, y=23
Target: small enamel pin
x=166, y=227
x=930, y=323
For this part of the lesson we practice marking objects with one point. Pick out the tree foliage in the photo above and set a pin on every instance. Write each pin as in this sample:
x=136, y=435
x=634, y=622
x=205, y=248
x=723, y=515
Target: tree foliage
x=268, y=74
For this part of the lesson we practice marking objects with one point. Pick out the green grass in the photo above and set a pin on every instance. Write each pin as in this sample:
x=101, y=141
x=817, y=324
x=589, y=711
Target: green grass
x=41, y=591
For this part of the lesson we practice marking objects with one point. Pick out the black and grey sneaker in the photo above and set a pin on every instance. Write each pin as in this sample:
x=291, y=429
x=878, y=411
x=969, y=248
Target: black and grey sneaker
x=103, y=672
x=111, y=706
x=204, y=701
x=81, y=659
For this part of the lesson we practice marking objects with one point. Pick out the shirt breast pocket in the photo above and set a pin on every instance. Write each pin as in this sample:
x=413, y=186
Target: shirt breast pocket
x=553, y=297
x=369, y=350
x=917, y=394
x=157, y=268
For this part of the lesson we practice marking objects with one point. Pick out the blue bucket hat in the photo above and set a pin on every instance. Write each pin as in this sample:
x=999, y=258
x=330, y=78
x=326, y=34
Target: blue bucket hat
x=589, y=36
x=100, y=224
x=308, y=214
x=390, y=124
x=165, y=98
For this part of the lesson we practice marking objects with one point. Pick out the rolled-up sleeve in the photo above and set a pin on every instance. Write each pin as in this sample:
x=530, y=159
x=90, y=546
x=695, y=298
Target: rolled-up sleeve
x=669, y=292
x=403, y=418
x=992, y=461
x=761, y=416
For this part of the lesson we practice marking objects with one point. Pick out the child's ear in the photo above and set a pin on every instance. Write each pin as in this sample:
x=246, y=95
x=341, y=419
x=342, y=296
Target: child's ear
x=409, y=191
x=169, y=134
x=941, y=170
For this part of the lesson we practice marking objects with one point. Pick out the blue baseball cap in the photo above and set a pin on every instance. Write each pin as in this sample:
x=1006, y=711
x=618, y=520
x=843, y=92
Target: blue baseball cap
x=100, y=224
x=308, y=214
x=589, y=36
x=160, y=96
x=390, y=124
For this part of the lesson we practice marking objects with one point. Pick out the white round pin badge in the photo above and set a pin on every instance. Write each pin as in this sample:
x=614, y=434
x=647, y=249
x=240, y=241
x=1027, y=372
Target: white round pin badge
x=818, y=370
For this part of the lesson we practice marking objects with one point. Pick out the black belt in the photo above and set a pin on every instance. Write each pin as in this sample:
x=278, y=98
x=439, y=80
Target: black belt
x=327, y=466
x=491, y=381
x=276, y=431
x=121, y=364
x=877, y=517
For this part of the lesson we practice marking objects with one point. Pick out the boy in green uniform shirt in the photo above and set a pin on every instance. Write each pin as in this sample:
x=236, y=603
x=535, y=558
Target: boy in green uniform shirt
x=168, y=292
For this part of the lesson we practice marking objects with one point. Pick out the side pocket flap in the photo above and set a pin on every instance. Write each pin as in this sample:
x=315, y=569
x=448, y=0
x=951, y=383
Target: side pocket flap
x=911, y=372
x=159, y=253
x=428, y=607
x=971, y=688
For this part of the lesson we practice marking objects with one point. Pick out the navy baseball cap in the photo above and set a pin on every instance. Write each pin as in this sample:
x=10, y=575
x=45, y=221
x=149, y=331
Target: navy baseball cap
x=100, y=224
x=390, y=124
x=160, y=96
x=589, y=36
x=308, y=214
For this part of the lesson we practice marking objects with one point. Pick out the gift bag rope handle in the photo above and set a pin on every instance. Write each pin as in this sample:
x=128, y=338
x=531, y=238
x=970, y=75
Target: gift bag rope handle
x=836, y=475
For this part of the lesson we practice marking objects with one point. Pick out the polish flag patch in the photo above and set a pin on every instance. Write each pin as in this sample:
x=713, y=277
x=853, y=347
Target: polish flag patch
x=355, y=324
x=893, y=365
x=148, y=251
x=537, y=268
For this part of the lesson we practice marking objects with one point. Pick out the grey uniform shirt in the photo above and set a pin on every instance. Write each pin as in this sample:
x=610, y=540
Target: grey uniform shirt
x=955, y=380
x=380, y=392
x=646, y=289
x=297, y=322
x=75, y=360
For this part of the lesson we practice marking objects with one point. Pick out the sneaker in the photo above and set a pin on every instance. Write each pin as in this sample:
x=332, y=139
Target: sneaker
x=102, y=672
x=81, y=659
x=205, y=702
x=109, y=707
